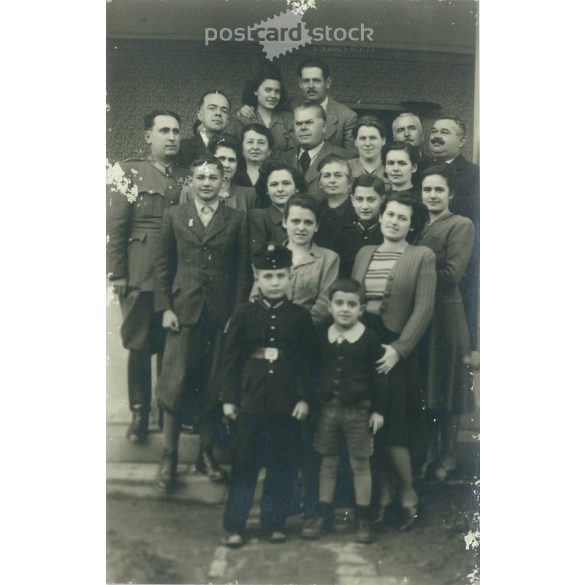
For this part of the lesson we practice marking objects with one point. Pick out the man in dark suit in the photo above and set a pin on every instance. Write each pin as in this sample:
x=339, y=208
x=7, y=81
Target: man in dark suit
x=445, y=144
x=213, y=116
x=139, y=191
x=310, y=124
x=200, y=276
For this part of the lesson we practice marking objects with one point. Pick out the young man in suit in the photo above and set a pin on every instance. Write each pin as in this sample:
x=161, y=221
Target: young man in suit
x=213, y=116
x=137, y=199
x=200, y=277
x=448, y=135
x=310, y=122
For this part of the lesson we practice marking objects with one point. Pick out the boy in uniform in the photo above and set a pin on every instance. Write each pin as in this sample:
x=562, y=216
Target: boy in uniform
x=352, y=397
x=267, y=359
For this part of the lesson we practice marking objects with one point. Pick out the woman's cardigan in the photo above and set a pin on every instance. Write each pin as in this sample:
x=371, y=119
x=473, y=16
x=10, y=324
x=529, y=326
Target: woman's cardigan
x=409, y=297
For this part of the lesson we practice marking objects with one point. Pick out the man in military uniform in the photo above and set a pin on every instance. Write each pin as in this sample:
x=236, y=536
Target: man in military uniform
x=137, y=198
x=201, y=275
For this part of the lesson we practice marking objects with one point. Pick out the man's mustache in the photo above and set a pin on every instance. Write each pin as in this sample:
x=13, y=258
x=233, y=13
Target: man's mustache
x=437, y=141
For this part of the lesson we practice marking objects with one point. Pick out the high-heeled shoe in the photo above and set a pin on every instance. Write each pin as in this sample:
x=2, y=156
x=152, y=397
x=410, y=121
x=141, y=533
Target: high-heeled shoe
x=442, y=473
x=408, y=517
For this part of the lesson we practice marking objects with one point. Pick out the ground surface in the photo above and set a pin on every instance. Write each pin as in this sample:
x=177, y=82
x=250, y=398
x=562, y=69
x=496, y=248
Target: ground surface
x=158, y=541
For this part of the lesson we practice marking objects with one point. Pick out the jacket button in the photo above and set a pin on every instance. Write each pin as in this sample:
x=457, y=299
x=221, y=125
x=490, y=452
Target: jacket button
x=336, y=381
x=271, y=371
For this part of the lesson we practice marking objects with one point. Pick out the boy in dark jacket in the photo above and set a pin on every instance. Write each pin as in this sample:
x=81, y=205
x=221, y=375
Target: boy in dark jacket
x=352, y=396
x=267, y=361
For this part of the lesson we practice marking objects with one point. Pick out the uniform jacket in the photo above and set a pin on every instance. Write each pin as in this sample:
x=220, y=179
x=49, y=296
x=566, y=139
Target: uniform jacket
x=409, y=297
x=451, y=239
x=134, y=216
x=312, y=176
x=265, y=225
x=259, y=386
x=200, y=267
x=352, y=238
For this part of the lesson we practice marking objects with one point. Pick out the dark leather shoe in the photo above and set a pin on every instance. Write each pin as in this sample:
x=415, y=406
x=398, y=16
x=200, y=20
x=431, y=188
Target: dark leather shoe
x=207, y=465
x=315, y=527
x=138, y=430
x=166, y=476
x=408, y=518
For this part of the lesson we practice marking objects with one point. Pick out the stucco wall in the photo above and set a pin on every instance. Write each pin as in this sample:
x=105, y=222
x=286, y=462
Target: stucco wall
x=143, y=75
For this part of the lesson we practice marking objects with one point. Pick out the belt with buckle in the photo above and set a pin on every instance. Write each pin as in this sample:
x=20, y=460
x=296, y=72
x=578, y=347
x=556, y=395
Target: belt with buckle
x=266, y=353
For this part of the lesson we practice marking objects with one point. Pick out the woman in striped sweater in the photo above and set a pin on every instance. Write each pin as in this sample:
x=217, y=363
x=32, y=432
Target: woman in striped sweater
x=399, y=281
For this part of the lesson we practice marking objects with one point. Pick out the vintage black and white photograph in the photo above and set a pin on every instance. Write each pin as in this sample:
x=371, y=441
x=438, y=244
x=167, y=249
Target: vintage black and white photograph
x=292, y=292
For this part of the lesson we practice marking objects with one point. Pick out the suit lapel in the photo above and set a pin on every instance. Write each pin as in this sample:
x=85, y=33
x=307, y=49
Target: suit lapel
x=312, y=173
x=189, y=218
x=332, y=119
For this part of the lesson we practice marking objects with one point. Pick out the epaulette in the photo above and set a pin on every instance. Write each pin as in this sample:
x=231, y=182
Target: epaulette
x=135, y=160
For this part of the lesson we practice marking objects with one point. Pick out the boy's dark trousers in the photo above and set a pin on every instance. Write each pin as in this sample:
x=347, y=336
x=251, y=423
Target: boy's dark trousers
x=269, y=441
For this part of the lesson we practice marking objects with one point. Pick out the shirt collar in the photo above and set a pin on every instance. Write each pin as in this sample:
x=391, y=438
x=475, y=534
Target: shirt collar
x=362, y=228
x=325, y=102
x=269, y=304
x=199, y=206
x=313, y=152
x=351, y=336
x=160, y=167
x=203, y=134
x=313, y=252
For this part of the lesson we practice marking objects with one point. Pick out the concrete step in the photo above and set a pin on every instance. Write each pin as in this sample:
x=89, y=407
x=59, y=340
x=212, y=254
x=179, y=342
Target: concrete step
x=120, y=450
x=136, y=480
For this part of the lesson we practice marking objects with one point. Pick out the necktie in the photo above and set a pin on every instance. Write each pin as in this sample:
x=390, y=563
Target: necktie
x=305, y=161
x=206, y=213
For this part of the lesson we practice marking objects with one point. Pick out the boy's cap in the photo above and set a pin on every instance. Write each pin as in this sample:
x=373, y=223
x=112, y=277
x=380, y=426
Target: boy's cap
x=272, y=257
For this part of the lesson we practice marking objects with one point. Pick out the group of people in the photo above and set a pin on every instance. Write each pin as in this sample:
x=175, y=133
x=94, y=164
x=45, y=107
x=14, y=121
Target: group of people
x=309, y=282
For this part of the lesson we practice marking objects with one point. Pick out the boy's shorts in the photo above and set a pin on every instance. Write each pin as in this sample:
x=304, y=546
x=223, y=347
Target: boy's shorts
x=338, y=420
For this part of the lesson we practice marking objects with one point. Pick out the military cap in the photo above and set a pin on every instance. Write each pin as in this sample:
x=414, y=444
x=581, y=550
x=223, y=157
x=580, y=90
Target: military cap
x=272, y=257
